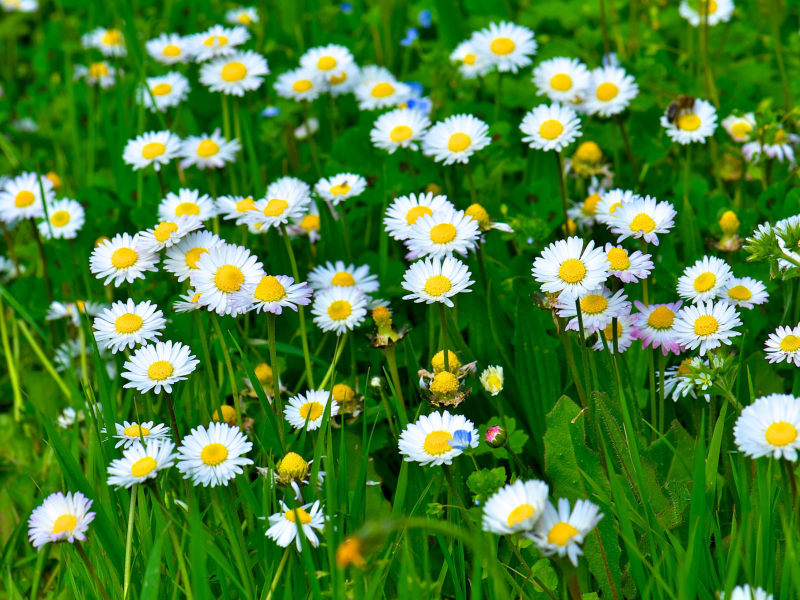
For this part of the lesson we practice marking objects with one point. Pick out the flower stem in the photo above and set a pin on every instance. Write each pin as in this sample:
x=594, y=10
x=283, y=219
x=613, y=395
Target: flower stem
x=628, y=147
x=497, y=96
x=391, y=359
x=448, y=474
x=332, y=368
x=129, y=541
x=10, y=363
x=345, y=233
x=231, y=373
x=90, y=568
x=44, y=260
x=300, y=311
x=776, y=23
x=711, y=89
x=174, y=422
x=563, y=188
x=662, y=363
x=277, y=576
x=473, y=192
x=412, y=170
x=443, y=324
x=10, y=244
x=273, y=361
x=573, y=367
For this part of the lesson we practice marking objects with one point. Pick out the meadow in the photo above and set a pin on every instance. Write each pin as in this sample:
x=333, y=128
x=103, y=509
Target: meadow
x=437, y=299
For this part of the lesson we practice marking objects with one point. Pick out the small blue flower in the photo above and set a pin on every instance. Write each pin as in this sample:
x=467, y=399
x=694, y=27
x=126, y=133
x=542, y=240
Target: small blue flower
x=425, y=18
x=461, y=439
x=270, y=111
x=416, y=88
x=346, y=7
x=411, y=35
x=424, y=105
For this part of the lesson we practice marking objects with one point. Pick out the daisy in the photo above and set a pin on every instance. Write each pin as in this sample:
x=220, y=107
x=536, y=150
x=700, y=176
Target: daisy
x=234, y=207
x=300, y=85
x=551, y=127
x=109, y=41
x=272, y=294
x=780, y=148
x=656, y=326
x=739, y=127
x=400, y=128
x=129, y=434
x=378, y=88
x=342, y=275
x=126, y=324
x=456, y=139
x=25, y=6
x=235, y=74
x=566, y=266
x=73, y=311
x=215, y=455
x=242, y=16
x=287, y=185
x=163, y=92
x=598, y=308
x=99, y=72
x=306, y=411
x=208, y=150
x=344, y=80
x=169, y=49
x=306, y=225
x=436, y=280
x=515, y=507
x=218, y=41
x=339, y=309
x=704, y=280
x=745, y=592
x=168, y=233
x=627, y=331
x=284, y=527
x=66, y=220
x=221, y=272
x=643, y=218
x=562, y=532
x=140, y=463
x=714, y=11
x=182, y=257
x=784, y=344
x=611, y=90
x=151, y=148
x=610, y=201
x=442, y=233
x=470, y=63
x=769, y=427
x=706, y=325
x=507, y=46
x=744, y=292
x=339, y=188
x=158, y=366
x=405, y=211
x=485, y=222
x=276, y=211
x=492, y=380
x=186, y=203
x=685, y=379
x=123, y=258
x=692, y=125
x=561, y=79
x=189, y=302
x=21, y=198
x=60, y=518
x=428, y=440
x=327, y=62
x=628, y=268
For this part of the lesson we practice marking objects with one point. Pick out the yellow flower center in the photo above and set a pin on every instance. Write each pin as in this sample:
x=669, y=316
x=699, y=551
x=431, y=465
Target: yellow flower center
x=705, y=325
x=561, y=82
x=519, y=514
x=382, y=317
x=193, y=255
x=502, y=46
x=643, y=222
x=305, y=518
x=470, y=59
x=310, y=223
x=712, y=7
x=607, y=91
x=589, y=152
x=275, y=207
x=444, y=384
x=293, y=466
x=164, y=230
x=326, y=63
x=264, y=373
x=136, y=430
x=417, y=212
x=341, y=189
x=618, y=258
x=593, y=304
x=741, y=129
x=704, y=282
x=229, y=278
x=64, y=523
x=382, y=90
x=24, y=198
x=781, y=433
x=160, y=370
x=172, y=51
x=311, y=411
x=143, y=466
x=436, y=443
x=214, y=454
x=572, y=270
x=551, y=129
x=729, y=222
x=437, y=285
x=208, y=148
x=153, y=149
x=245, y=205
x=661, y=318
x=128, y=323
x=780, y=137
x=589, y=207
x=162, y=89
x=196, y=297
x=187, y=208
x=59, y=218
x=342, y=393
x=124, y=258
x=458, y=142
x=98, y=69
x=494, y=383
x=228, y=415
x=244, y=19
x=561, y=533
x=220, y=39
x=478, y=213
x=339, y=310
x=234, y=71
x=302, y=85
x=343, y=279
x=112, y=37
x=689, y=122
x=270, y=289
x=337, y=79
x=608, y=332
x=791, y=343
x=740, y=292
x=443, y=233
x=437, y=362
x=400, y=133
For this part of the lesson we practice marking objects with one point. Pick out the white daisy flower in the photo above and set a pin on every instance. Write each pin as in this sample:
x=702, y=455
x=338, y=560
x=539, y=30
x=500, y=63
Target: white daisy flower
x=182, y=257
x=562, y=532
x=485, y=223
x=25, y=6
x=151, y=148
x=158, y=366
x=272, y=294
x=680, y=381
x=492, y=380
x=306, y=411
x=550, y=127
x=215, y=455
x=456, y=139
x=186, y=203
x=627, y=267
x=222, y=271
x=715, y=11
x=399, y=128
x=327, y=62
x=745, y=592
x=436, y=280
x=627, y=331
x=287, y=185
x=784, y=345
x=211, y=151
x=781, y=148
x=740, y=127
x=643, y=218
x=274, y=211
x=340, y=274
x=165, y=91
x=561, y=79
x=610, y=202
x=21, y=198
x=188, y=302
x=306, y=225
x=339, y=188
x=129, y=434
x=656, y=326
x=405, y=211
x=428, y=440
x=470, y=63
x=168, y=233
x=515, y=507
x=123, y=258
x=284, y=527
x=99, y=72
x=60, y=518
x=110, y=42
x=707, y=325
x=704, y=280
x=611, y=90
x=769, y=427
x=234, y=207
x=73, y=311
x=218, y=41
x=140, y=463
x=169, y=49
x=236, y=74
x=339, y=309
x=598, y=308
x=345, y=80
x=744, y=292
x=566, y=266
x=692, y=125
x=507, y=46
x=378, y=88
x=126, y=324
x=244, y=15
x=442, y=233
x=66, y=220
x=300, y=85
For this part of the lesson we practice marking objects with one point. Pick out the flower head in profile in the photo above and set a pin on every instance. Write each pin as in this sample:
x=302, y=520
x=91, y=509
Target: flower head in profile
x=129, y=434
x=218, y=41
x=243, y=15
x=278, y=208
x=60, y=518
x=163, y=92
x=341, y=187
x=168, y=233
x=186, y=203
x=170, y=48
x=713, y=12
x=98, y=72
x=628, y=267
x=492, y=380
x=744, y=292
x=300, y=85
x=339, y=274
x=181, y=259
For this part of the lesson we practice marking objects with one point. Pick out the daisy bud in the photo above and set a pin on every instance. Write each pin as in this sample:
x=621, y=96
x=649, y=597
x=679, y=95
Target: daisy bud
x=479, y=214
x=729, y=222
x=383, y=319
x=492, y=380
x=433, y=189
x=55, y=180
x=228, y=415
x=588, y=152
x=495, y=436
x=293, y=467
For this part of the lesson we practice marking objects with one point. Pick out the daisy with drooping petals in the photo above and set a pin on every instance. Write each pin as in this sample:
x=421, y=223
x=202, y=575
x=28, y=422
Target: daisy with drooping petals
x=189, y=302
x=21, y=198
x=244, y=15
x=186, y=203
x=73, y=311
x=182, y=257
x=141, y=463
x=340, y=274
x=692, y=125
x=218, y=41
x=643, y=218
x=151, y=148
x=327, y=62
x=784, y=345
x=704, y=279
x=714, y=11
x=169, y=49
x=598, y=308
x=99, y=72
x=126, y=324
x=168, y=233
x=515, y=507
x=344, y=80
x=656, y=326
x=627, y=331
x=129, y=434
x=306, y=411
x=628, y=268
x=159, y=366
x=162, y=92
x=235, y=207
x=739, y=127
x=400, y=128
x=692, y=375
x=405, y=211
x=299, y=85
x=211, y=151
x=561, y=79
x=744, y=292
x=485, y=222
x=611, y=90
x=276, y=211
x=306, y=225
x=780, y=147
x=610, y=202
x=215, y=455
x=123, y=258
x=566, y=266
x=339, y=309
x=378, y=88
x=223, y=271
x=769, y=427
x=507, y=46
x=286, y=525
x=707, y=325
x=339, y=188
x=436, y=280
x=442, y=233
x=562, y=532
x=272, y=294
x=470, y=63
x=109, y=41
x=428, y=440
x=236, y=74
x=456, y=139
x=66, y=220
x=551, y=127
x=60, y=518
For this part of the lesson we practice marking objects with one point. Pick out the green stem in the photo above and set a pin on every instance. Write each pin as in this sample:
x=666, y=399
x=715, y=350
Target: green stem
x=277, y=577
x=174, y=422
x=129, y=542
x=497, y=96
x=231, y=373
x=412, y=170
x=711, y=89
x=391, y=359
x=473, y=192
x=273, y=361
x=226, y=119
x=178, y=547
x=345, y=232
x=573, y=367
x=82, y=553
x=562, y=186
x=12, y=368
x=448, y=473
x=628, y=147
x=332, y=368
x=38, y=239
x=37, y=575
x=443, y=324
x=301, y=313
x=662, y=364
x=776, y=33
x=651, y=364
